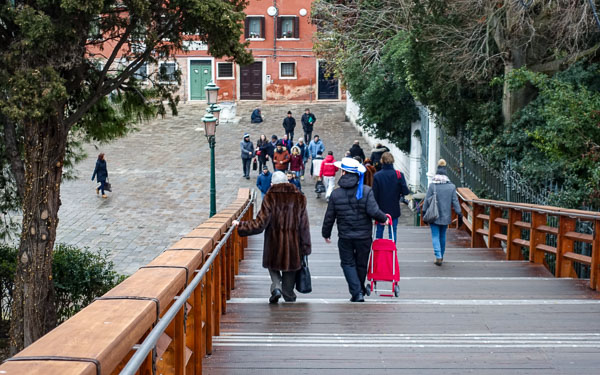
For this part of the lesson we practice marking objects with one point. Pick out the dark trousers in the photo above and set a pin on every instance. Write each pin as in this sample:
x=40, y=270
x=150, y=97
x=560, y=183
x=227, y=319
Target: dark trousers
x=290, y=136
x=307, y=137
x=101, y=187
x=354, y=259
x=261, y=162
x=246, y=166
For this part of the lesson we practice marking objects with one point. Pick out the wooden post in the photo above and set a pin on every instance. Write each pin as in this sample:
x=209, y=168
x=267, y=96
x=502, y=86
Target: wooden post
x=197, y=310
x=217, y=296
x=232, y=262
x=226, y=285
x=237, y=251
x=208, y=311
x=179, y=342
x=537, y=237
x=146, y=367
x=564, y=266
x=513, y=252
x=476, y=238
x=594, y=283
x=494, y=228
x=223, y=278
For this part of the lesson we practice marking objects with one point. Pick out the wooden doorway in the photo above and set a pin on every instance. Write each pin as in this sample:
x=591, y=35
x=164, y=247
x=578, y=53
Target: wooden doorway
x=251, y=81
x=200, y=76
x=328, y=84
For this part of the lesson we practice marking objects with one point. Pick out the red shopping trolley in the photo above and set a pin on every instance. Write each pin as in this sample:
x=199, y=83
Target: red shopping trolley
x=383, y=265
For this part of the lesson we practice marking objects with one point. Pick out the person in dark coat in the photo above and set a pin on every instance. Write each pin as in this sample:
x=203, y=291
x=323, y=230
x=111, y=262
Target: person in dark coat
x=447, y=199
x=262, y=151
x=303, y=147
x=293, y=180
x=256, y=116
x=289, y=124
x=308, y=122
x=284, y=219
x=356, y=150
x=353, y=205
x=271, y=149
x=101, y=173
x=263, y=182
x=376, y=155
x=247, y=150
x=389, y=186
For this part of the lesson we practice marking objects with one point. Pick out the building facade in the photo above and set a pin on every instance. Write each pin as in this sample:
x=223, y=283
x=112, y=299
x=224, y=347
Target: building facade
x=280, y=38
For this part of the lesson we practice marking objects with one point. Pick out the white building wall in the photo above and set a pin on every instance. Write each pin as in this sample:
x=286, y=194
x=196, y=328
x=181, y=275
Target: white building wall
x=409, y=164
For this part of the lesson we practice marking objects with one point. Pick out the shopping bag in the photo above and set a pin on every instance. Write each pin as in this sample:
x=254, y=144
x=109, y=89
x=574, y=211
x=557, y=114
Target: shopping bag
x=107, y=186
x=303, y=283
x=254, y=164
x=432, y=213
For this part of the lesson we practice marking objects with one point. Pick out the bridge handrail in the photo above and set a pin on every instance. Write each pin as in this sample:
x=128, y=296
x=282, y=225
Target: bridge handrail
x=504, y=224
x=148, y=315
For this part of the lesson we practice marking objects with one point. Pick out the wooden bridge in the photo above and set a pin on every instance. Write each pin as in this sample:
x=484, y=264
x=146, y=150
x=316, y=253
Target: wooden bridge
x=487, y=310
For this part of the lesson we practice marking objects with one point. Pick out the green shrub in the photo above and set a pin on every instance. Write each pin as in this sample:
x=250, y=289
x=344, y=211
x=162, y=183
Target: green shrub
x=79, y=276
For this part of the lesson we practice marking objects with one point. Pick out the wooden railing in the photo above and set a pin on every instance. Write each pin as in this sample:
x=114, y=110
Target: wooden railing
x=103, y=337
x=494, y=223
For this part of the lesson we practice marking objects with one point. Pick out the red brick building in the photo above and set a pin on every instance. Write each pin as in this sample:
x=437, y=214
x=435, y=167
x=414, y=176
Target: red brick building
x=285, y=68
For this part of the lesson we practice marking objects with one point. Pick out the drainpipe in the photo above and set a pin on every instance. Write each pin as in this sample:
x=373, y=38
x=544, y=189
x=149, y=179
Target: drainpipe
x=275, y=30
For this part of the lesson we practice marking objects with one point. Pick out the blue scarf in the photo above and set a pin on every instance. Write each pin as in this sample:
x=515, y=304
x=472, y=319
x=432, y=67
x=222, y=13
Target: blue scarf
x=361, y=178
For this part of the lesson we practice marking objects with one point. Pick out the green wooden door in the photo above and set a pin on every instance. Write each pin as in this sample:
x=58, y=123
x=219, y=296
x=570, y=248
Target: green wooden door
x=200, y=76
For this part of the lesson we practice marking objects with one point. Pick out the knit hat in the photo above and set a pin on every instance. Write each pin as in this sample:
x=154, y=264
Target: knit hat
x=246, y=135
x=441, y=169
x=265, y=168
x=278, y=178
x=279, y=143
x=353, y=166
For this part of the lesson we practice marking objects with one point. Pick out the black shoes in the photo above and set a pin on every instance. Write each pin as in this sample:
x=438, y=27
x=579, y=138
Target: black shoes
x=358, y=298
x=438, y=261
x=275, y=295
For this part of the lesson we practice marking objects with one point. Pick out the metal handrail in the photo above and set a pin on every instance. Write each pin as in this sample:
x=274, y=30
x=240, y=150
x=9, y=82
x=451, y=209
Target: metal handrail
x=524, y=206
x=150, y=342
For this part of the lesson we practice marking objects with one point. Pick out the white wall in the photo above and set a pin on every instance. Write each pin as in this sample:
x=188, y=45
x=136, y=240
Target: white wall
x=409, y=164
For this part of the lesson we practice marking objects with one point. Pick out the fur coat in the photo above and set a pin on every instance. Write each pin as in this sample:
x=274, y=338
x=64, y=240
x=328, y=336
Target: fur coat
x=284, y=219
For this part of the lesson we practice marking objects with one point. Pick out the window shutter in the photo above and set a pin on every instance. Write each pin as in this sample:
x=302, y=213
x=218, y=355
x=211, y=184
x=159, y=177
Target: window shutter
x=262, y=27
x=246, y=28
x=279, y=27
x=296, y=27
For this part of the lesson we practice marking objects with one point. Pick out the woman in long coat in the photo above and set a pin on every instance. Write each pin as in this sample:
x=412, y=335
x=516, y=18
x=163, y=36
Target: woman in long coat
x=101, y=173
x=284, y=219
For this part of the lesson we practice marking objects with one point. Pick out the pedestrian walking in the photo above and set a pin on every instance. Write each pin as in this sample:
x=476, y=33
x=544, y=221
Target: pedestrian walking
x=314, y=147
x=281, y=157
x=284, y=219
x=296, y=162
x=353, y=206
x=444, y=192
x=271, y=149
x=262, y=151
x=370, y=172
x=263, y=182
x=256, y=116
x=316, y=164
x=101, y=174
x=389, y=186
x=305, y=155
x=289, y=124
x=327, y=173
x=356, y=150
x=247, y=149
x=376, y=155
x=291, y=176
x=308, y=122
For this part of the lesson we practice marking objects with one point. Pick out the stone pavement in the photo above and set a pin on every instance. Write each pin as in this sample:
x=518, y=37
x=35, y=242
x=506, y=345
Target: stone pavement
x=161, y=175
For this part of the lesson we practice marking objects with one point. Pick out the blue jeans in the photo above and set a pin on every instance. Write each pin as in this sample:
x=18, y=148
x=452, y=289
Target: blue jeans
x=438, y=238
x=381, y=228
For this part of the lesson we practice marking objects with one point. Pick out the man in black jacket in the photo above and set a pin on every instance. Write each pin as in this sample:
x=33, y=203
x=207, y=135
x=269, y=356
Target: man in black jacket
x=353, y=206
x=271, y=149
x=389, y=186
x=308, y=121
x=289, y=124
x=356, y=150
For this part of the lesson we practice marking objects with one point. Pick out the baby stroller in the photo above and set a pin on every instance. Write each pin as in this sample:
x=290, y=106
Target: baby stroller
x=383, y=265
x=319, y=188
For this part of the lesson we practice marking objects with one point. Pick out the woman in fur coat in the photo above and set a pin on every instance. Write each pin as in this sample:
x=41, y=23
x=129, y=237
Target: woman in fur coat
x=284, y=219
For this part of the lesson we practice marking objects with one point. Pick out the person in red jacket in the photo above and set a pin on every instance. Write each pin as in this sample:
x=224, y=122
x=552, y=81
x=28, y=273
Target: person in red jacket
x=327, y=173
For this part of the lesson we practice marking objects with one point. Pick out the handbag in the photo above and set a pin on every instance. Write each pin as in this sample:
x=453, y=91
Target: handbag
x=432, y=213
x=107, y=186
x=254, y=164
x=303, y=283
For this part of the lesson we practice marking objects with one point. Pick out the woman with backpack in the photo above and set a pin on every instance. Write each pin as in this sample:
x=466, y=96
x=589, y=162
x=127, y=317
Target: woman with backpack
x=441, y=194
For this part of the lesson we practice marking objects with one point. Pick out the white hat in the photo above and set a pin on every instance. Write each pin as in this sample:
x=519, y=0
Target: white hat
x=278, y=178
x=350, y=165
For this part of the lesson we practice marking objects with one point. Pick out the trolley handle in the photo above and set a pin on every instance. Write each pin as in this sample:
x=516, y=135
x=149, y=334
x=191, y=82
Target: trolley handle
x=389, y=226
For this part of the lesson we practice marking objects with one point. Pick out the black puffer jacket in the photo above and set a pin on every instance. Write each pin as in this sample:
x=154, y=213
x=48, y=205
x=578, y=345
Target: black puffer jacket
x=354, y=218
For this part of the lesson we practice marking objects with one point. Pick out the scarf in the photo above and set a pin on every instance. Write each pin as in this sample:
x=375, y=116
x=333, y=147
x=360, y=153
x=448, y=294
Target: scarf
x=361, y=178
x=440, y=179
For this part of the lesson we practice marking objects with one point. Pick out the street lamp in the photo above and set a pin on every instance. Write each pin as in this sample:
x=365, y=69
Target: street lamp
x=211, y=120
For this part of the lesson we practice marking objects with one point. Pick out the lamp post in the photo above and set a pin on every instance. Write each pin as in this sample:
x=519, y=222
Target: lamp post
x=211, y=120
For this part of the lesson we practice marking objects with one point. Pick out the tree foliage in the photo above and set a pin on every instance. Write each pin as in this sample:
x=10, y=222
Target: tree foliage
x=67, y=75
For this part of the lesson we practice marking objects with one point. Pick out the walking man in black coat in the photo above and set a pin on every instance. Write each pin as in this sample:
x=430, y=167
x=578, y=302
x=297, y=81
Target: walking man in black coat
x=353, y=205
x=308, y=122
x=289, y=124
x=356, y=150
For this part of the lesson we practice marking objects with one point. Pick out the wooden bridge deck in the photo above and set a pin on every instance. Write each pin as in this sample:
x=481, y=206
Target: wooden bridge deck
x=476, y=314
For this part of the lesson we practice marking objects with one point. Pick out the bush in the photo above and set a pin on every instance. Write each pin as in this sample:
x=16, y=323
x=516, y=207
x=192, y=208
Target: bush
x=79, y=276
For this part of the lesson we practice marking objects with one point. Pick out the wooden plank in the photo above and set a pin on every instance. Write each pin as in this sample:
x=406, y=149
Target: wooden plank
x=546, y=248
x=501, y=221
x=513, y=232
x=191, y=259
x=48, y=368
x=501, y=237
x=494, y=228
x=564, y=266
x=476, y=236
x=203, y=244
x=179, y=343
x=547, y=229
x=213, y=234
x=522, y=224
x=483, y=232
x=594, y=283
x=483, y=217
x=578, y=258
x=212, y=225
x=581, y=237
x=537, y=237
